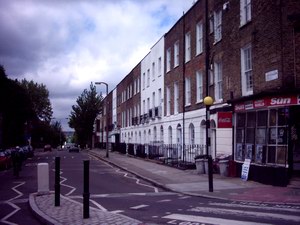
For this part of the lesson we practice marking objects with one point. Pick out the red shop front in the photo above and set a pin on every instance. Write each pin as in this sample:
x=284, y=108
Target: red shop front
x=267, y=131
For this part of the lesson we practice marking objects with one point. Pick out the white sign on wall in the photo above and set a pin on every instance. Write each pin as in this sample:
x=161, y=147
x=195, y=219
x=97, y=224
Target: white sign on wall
x=271, y=75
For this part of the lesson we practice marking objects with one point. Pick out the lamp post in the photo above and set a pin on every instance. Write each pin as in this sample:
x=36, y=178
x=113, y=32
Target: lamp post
x=208, y=101
x=99, y=83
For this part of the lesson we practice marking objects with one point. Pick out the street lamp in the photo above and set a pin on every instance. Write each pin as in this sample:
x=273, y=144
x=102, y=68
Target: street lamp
x=208, y=101
x=99, y=83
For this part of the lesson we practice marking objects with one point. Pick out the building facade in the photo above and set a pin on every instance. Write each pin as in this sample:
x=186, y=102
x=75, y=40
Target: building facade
x=245, y=55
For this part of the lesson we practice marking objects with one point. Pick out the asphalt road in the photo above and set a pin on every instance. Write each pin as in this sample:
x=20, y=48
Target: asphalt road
x=117, y=191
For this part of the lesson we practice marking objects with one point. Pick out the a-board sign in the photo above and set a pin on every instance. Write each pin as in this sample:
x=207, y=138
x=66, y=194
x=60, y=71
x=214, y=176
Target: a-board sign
x=245, y=169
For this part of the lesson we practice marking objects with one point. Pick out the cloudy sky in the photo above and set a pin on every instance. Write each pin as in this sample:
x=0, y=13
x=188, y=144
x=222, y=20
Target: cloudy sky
x=67, y=44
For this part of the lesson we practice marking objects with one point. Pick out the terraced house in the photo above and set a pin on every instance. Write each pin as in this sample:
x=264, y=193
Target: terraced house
x=245, y=55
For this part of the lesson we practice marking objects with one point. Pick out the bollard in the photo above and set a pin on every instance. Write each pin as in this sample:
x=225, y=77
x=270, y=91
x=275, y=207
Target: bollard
x=86, y=193
x=43, y=178
x=57, y=181
x=210, y=174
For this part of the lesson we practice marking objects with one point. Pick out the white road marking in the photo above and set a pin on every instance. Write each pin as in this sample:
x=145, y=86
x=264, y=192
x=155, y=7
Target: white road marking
x=16, y=208
x=165, y=200
x=98, y=205
x=139, y=206
x=137, y=180
x=117, y=211
x=210, y=220
x=243, y=213
x=184, y=197
x=265, y=207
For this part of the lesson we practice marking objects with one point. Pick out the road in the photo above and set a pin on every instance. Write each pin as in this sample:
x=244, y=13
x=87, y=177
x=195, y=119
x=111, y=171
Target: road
x=117, y=191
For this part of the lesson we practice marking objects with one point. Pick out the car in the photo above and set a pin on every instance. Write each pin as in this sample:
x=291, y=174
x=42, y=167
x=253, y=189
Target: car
x=74, y=148
x=5, y=161
x=47, y=148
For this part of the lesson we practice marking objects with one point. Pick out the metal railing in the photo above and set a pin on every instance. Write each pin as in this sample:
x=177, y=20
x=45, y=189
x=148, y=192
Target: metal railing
x=176, y=155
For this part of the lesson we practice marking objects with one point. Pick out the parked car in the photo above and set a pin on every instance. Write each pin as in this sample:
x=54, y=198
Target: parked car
x=74, y=148
x=47, y=148
x=5, y=161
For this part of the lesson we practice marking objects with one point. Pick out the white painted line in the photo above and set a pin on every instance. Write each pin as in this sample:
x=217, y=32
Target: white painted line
x=165, y=200
x=210, y=220
x=68, y=186
x=4, y=219
x=264, y=207
x=243, y=213
x=139, y=206
x=117, y=211
x=98, y=205
x=16, y=208
x=184, y=197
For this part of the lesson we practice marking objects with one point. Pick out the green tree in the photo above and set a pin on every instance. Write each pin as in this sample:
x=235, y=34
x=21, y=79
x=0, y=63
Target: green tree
x=15, y=111
x=83, y=115
x=39, y=96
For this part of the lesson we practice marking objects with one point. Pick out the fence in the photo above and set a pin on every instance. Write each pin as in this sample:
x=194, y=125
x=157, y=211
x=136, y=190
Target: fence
x=176, y=155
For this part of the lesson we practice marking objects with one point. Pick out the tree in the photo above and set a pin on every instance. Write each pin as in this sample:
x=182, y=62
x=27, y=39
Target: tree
x=39, y=96
x=84, y=114
x=15, y=111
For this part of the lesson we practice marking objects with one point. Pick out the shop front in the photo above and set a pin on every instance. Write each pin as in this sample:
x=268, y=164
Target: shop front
x=267, y=131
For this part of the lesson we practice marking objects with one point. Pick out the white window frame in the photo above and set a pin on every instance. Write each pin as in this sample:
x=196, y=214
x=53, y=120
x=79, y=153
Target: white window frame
x=159, y=66
x=187, y=46
x=148, y=78
x=176, y=54
x=217, y=26
x=199, y=38
x=168, y=56
x=218, y=81
x=153, y=71
x=199, y=78
x=168, y=101
x=144, y=80
x=245, y=12
x=188, y=92
x=176, y=98
x=246, y=70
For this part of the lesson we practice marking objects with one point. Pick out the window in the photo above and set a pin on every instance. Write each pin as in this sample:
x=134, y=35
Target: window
x=148, y=105
x=144, y=106
x=199, y=38
x=245, y=11
x=148, y=77
x=153, y=71
x=144, y=80
x=187, y=46
x=176, y=98
x=211, y=24
x=218, y=80
x=277, y=140
x=159, y=66
x=159, y=97
x=187, y=91
x=170, y=134
x=199, y=78
x=153, y=99
x=218, y=25
x=262, y=136
x=176, y=53
x=168, y=59
x=168, y=101
x=246, y=70
x=191, y=134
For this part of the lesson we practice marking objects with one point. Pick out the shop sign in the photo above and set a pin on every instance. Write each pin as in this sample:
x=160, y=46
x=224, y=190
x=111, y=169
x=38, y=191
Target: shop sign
x=268, y=101
x=224, y=119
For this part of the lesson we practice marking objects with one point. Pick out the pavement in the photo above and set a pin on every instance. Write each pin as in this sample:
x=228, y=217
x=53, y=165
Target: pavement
x=166, y=177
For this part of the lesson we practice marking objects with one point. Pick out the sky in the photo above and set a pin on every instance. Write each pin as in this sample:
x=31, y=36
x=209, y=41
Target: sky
x=67, y=44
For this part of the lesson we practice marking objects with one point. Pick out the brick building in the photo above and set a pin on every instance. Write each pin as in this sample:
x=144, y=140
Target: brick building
x=247, y=58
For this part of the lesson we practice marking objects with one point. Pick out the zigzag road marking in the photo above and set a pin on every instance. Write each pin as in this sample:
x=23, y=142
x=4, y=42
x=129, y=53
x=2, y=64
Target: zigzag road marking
x=10, y=202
